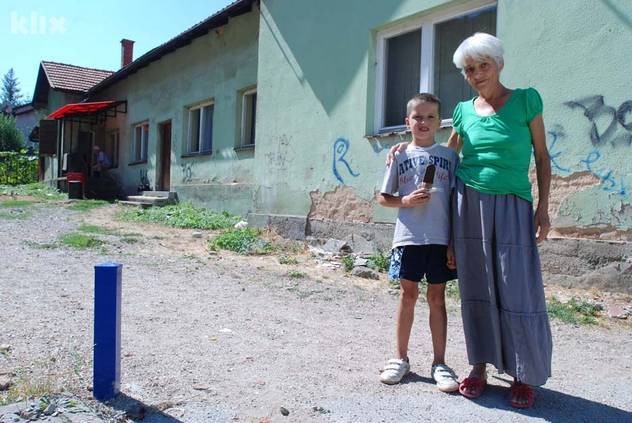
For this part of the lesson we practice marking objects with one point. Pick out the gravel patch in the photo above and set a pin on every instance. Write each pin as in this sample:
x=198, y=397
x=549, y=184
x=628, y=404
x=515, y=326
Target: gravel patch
x=221, y=337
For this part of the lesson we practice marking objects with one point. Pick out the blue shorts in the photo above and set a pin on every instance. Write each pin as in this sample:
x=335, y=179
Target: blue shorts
x=413, y=262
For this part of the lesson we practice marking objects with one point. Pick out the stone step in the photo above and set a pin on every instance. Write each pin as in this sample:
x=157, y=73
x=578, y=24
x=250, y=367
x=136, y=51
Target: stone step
x=146, y=199
x=135, y=204
x=162, y=194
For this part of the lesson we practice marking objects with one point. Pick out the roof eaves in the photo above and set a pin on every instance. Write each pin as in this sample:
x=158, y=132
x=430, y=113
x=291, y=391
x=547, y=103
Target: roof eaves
x=218, y=19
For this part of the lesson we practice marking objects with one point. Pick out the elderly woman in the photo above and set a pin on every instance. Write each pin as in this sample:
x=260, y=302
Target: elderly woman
x=494, y=226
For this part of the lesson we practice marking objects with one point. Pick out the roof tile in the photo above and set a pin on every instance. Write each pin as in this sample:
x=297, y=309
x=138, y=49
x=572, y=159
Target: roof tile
x=62, y=76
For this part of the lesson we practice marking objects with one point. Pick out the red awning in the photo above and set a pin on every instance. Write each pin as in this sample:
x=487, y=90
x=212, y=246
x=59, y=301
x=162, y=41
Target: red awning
x=78, y=109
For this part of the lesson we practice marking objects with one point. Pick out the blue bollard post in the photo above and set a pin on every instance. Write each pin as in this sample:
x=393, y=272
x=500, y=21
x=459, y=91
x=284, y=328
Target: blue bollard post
x=107, y=331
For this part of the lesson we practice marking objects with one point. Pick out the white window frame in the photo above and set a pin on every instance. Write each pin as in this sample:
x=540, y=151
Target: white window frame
x=114, y=157
x=191, y=109
x=426, y=83
x=242, y=137
x=144, y=141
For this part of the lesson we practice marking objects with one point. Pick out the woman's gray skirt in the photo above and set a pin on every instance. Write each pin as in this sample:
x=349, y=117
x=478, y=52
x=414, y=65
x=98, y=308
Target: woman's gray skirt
x=502, y=296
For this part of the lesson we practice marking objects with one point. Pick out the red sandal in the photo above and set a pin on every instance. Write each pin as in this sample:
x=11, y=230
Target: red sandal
x=520, y=392
x=472, y=387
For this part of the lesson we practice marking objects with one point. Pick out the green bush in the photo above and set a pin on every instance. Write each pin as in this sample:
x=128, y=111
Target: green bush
x=183, y=215
x=243, y=241
x=17, y=168
x=10, y=136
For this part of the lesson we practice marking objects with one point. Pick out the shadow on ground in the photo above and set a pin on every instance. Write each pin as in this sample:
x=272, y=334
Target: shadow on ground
x=138, y=411
x=552, y=406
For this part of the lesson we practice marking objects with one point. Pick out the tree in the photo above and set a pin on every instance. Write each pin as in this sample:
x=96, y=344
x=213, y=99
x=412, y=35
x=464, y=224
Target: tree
x=11, y=94
x=10, y=136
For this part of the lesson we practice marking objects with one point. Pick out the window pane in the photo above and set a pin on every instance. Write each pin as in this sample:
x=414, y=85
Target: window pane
x=249, y=116
x=145, y=141
x=138, y=136
x=403, y=61
x=207, y=129
x=115, y=150
x=449, y=83
x=253, y=117
x=194, y=131
x=111, y=148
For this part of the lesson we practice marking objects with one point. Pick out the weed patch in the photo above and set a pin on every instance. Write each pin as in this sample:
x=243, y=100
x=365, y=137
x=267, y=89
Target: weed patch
x=347, y=263
x=15, y=203
x=183, y=215
x=79, y=241
x=575, y=311
x=452, y=289
x=295, y=274
x=288, y=260
x=25, y=388
x=380, y=261
x=37, y=190
x=242, y=241
x=95, y=229
x=87, y=205
x=15, y=214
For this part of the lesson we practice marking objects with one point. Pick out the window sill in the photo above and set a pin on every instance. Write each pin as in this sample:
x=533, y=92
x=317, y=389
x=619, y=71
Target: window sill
x=245, y=147
x=137, y=163
x=397, y=132
x=196, y=154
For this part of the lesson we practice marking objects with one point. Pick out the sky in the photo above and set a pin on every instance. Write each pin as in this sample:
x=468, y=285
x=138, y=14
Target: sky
x=88, y=33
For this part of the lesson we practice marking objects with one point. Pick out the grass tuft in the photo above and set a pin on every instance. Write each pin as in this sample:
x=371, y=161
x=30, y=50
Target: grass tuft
x=288, y=260
x=37, y=190
x=15, y=215
x=87, y=205
x=295, y=274
x=23, y=388
x=16, y=203
x=242, y=241
x=347, y=263
x=183, y=215
x=575, y=311
x=380, y=261
x=95, y=229
x=452, y=289
x=79, y=241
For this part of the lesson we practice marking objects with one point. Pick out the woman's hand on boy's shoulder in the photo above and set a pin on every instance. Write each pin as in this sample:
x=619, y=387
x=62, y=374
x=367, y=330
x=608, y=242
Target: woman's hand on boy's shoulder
x=397, y=148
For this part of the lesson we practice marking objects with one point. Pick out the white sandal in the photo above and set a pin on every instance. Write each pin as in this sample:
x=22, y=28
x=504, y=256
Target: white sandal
x=445, y=378
x=394, y=371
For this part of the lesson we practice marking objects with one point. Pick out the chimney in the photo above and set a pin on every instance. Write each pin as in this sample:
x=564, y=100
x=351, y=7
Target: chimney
x=127, y=52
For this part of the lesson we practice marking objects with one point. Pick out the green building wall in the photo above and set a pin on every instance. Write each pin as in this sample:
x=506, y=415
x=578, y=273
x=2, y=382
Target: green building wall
x=315, y=155
x=218, y=66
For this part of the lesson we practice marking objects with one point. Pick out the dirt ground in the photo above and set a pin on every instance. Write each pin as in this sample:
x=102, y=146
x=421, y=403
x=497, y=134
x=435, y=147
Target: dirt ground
x=219, y=337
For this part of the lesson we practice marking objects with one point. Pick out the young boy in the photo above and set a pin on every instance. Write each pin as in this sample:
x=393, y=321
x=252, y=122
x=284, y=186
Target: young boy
x=422, y=234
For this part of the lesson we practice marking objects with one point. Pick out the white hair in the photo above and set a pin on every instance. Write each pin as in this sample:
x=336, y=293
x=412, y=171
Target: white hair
x=478, y=47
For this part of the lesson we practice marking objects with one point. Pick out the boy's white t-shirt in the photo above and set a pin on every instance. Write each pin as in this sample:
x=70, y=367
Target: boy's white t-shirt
x=430, y=223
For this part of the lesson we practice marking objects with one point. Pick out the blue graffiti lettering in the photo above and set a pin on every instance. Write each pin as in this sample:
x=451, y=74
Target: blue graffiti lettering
x=341, y=147
x=606, y=176
x=556, y=134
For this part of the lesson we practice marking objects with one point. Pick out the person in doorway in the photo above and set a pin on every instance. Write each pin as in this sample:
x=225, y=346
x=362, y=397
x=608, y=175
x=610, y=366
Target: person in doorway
x=419, y=182
x=102, y=161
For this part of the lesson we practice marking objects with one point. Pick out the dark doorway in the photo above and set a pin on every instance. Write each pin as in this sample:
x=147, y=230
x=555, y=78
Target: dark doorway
x=165, y=156
x=84, y=152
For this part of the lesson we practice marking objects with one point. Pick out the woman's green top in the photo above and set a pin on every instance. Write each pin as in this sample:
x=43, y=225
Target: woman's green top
x=497, y=149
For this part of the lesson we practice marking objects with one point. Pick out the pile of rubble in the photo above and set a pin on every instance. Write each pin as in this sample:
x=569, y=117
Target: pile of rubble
x=335, y=254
